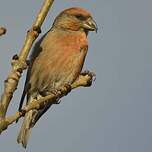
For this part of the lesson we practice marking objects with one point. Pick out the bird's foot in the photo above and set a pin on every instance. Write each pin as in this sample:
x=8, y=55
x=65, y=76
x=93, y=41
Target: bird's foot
x=68, y=87
x=91, y=74
x=54, y=92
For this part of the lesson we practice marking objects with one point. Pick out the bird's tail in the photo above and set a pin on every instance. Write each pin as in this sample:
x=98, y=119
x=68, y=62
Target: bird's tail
x=26, y=128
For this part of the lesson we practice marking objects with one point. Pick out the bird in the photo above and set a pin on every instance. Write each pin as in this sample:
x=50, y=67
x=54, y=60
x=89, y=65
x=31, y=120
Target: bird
x=57, y=59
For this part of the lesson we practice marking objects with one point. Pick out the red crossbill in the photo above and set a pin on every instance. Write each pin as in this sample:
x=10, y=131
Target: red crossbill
x=57, y=59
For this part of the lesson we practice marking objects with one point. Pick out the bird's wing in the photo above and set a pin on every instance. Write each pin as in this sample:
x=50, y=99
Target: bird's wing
x=35, y=52
x=25, y=90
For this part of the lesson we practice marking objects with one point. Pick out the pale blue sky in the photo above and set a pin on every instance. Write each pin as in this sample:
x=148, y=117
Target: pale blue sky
x=114, y=115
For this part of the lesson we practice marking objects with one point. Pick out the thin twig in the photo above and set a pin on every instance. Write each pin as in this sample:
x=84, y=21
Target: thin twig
x=83, y=80
x=19, y=62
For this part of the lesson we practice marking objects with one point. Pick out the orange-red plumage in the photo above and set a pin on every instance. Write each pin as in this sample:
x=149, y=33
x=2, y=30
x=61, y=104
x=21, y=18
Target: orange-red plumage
x=57, y=59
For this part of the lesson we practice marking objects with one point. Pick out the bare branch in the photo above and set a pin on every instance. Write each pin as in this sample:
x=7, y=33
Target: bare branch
x=2, y=31
x=19, y=62
x=83, y=80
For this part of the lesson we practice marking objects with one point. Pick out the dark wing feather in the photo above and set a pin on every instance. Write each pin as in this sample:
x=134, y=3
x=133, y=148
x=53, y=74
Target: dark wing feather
x=36, y=51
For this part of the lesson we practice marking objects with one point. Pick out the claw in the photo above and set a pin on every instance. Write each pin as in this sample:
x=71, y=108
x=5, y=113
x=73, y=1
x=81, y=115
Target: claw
x=58, y=102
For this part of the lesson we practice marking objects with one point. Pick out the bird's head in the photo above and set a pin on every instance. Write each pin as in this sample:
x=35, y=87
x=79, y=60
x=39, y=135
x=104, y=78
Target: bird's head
x=75, y=19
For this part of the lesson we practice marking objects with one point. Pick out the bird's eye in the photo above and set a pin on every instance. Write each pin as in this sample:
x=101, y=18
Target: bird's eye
x=80, y=17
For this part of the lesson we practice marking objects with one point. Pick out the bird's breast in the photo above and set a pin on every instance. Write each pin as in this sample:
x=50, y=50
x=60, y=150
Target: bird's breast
x=59, y=62
x=73, y=42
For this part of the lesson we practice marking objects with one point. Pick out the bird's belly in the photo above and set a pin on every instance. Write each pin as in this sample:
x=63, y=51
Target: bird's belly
x=59, y=70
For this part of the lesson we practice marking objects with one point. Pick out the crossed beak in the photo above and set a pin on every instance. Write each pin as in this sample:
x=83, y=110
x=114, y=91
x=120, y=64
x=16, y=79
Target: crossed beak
x=90, y=25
